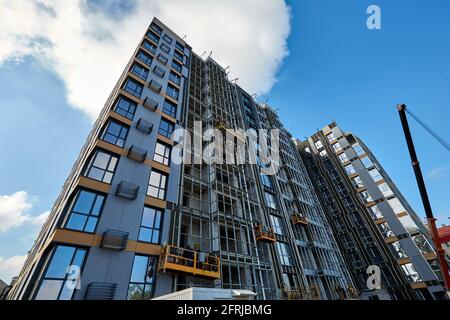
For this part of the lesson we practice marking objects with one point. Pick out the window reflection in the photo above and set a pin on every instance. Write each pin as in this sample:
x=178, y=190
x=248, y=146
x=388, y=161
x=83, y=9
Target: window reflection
x=57, y=283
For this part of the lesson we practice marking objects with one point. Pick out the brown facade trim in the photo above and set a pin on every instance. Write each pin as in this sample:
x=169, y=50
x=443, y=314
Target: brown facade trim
x=93, y=184
x=403, y=261
x=402, y=214
x=116, y=116
x=130, y=96
x=391, y=239
x=164, y=139
x=158, y=166
x=166, y=116
x=154, y=202
x=111, y=147
x=79, y=238
x=418, y=285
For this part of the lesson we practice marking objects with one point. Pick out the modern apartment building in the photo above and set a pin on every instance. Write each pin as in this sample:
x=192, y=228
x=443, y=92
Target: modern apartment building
x=131, y=223
x=373, y=222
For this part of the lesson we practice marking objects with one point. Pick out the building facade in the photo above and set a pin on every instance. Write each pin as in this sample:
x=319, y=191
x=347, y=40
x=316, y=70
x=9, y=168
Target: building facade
x=373, y=222
x=131, y=223
x=444, y=234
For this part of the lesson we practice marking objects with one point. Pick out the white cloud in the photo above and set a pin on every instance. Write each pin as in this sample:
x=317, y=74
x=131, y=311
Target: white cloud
x=11, y=267
x=88, y=50
x=436, y=173
x=13, y=211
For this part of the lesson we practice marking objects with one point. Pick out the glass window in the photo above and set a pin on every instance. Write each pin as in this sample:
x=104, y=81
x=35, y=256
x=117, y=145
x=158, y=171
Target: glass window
x=157, y=185
x=385, y=230
x=350, y=169
x=133, y=88
x=150, y=225
x=149, y=46
x=337, y=147
x=408, y=223
x=178, y=56
x=101, y=166
x=115, y=133
x=375, y=212
x=384, y=188
x=343, y=157
x=367, y=162
x=358, y=149
x=179, y=46
x=365, y=196
x=125, y=107
x=397, y=250
x=318, y=144
x=165, y=48
x=153, y=36
x=140, y=71
x=172, y=91
x=266, y=180
x=166, y=128
x=284, y=253
x=271, y=202
x=162, y=153
x=396, y=205
x=331, y=137
x=177, y=66
x=142, y=279
x=276, y=224
x=422, y=244
x=375, y=174
x=85, y=211
x=175, y=78
x=167, y=39
x=145, y=58
x=357, y=182
x=323, y=153
x=411, y=273
x=57, y=283
x=170, y=108
x=156, y=28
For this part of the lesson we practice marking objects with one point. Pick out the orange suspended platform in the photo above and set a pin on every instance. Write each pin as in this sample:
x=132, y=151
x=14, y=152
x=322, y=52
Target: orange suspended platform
x=189, y=262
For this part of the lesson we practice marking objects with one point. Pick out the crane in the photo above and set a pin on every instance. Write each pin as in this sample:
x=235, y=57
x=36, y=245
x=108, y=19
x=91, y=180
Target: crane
x=422, y=189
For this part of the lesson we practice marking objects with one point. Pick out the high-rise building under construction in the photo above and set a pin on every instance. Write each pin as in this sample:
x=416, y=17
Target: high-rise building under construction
x=371, y=219
x=132, y=223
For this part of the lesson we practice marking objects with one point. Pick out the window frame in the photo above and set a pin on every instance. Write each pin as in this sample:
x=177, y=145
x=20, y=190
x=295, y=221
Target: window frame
x=144, y=72
x=150, y=47
x=90, y=165
x=48, y=262
x=173, y=75
x=71, y=212
x=123, y=127
x=154, y=264
x=161, y=187
x=134, y=92
x=153, y=228
x=148, y=59
x=172, y=113
x=127, y=114
x=165, y=156
x=164, y=132
x=174, y=92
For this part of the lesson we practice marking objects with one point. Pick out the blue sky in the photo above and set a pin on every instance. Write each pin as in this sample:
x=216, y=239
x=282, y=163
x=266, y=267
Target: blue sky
x=336, y=69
